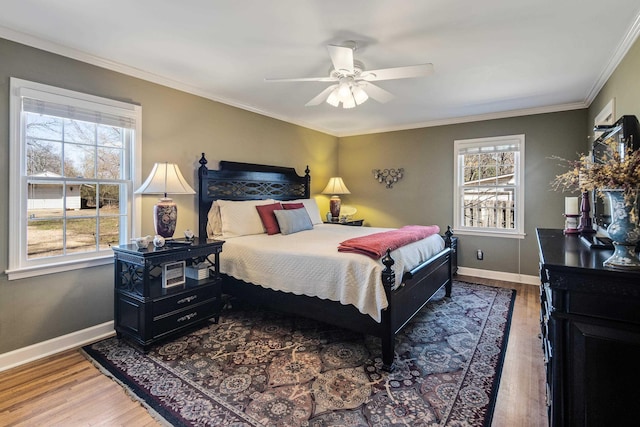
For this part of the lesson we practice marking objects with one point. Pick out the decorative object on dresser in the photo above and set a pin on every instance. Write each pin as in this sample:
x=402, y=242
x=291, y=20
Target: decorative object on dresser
x=571, y=215
x=165, y=178
x=590, y=324
x=335, y=187
x=259, y=368
x=154, y=299
x=388, y=177
x=611, y=171
x=624, y=230
x=405, y=292
x=586, y=225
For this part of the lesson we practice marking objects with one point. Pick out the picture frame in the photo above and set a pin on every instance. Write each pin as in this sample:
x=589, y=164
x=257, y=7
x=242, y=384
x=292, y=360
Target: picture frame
x=173, y=274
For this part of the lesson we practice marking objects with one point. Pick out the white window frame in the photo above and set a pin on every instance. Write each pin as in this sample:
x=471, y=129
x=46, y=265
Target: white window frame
x=19, y=266
x=458, y=185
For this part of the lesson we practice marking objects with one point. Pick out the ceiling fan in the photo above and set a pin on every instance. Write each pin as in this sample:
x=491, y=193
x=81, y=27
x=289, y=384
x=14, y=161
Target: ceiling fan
x=352, y=83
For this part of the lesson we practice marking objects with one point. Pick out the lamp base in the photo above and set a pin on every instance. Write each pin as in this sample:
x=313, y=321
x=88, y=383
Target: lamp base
x=334, y=208
x=165, y=217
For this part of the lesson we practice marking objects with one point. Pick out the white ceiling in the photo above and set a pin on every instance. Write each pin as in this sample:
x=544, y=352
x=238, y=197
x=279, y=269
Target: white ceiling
x=493, y=58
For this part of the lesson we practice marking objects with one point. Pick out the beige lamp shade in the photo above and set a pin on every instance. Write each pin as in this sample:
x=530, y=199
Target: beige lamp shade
x=165, y=178
x=335, y=187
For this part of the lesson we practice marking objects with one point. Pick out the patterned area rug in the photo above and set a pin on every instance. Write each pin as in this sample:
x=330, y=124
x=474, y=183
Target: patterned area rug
x=260, y=368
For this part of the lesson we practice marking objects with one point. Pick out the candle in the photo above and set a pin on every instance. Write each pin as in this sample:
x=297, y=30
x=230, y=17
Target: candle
x=571, y=206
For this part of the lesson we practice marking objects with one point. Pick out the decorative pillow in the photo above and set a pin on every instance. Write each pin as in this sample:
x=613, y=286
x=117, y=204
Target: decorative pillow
x=292, y=206
x=312, y=209
x=293, y=220
x=240, y=218
x=268, y=218
x=214, y=222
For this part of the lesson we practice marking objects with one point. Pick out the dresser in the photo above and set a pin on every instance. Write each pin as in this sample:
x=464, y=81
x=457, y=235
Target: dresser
x=154, y=298
x=590, y=325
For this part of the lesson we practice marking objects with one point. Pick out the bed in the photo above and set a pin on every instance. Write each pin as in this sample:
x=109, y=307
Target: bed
x=405, y=287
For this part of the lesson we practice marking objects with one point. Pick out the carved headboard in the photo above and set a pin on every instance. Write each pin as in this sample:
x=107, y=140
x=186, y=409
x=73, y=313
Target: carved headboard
x=247, y=181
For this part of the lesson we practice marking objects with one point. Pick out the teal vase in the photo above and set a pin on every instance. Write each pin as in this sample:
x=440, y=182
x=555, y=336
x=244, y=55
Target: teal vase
x=624, y=233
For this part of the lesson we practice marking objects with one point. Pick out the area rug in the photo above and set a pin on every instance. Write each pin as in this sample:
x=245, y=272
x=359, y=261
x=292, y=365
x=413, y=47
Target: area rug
x=262, y=368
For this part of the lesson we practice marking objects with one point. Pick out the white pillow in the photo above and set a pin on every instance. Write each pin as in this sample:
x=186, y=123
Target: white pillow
x=214, y=222
x=312, y=209
x=240, y=218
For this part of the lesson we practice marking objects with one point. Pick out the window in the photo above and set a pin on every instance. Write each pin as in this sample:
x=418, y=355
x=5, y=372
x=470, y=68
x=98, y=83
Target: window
x=489, y=192
x=73, y=158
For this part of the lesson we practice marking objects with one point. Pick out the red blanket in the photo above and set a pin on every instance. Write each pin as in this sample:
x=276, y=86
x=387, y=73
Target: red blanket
x=375, y=245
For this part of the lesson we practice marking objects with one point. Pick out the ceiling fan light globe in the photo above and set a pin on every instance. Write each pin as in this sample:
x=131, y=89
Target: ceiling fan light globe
x=333, y=98
x=359, y=95
x=344, y=91
x=349, y=102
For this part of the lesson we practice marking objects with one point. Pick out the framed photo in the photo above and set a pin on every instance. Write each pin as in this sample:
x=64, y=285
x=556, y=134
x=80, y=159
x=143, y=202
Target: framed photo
x=173, y=274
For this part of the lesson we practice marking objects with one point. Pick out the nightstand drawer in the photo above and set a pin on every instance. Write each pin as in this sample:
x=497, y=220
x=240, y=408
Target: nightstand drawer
x=183, y=318
x=189, y=297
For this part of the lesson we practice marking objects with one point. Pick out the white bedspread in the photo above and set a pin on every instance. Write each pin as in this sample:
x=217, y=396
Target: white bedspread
x=308, y=263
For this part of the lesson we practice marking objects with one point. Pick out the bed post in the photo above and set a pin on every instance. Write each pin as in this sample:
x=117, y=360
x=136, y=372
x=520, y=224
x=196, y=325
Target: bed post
x=307, y=184
x=202, y=209
x=447, y=243
x=388, y=334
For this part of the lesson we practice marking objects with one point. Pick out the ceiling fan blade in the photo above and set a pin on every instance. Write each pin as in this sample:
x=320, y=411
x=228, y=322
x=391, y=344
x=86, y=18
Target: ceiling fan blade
x=376, y=92
x=321, y=97
x=342, y=58
x=303, y=79
x=407, y=72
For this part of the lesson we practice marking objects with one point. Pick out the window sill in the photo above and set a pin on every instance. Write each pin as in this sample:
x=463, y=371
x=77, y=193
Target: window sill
x=40, y=270
x=512, y=235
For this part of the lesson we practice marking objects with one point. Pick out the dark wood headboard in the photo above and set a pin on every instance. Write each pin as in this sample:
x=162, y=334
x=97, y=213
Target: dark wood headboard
x=247, y=181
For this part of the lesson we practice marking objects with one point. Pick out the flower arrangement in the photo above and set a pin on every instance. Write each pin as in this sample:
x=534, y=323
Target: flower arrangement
x=618, y=169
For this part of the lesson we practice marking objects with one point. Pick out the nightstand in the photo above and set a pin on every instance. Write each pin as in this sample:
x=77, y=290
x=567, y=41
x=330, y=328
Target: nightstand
x=353, y=222
x=147, y=307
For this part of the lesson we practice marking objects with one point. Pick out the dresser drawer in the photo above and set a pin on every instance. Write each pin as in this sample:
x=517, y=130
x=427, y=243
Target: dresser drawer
x=187, y=298
x=179, y=319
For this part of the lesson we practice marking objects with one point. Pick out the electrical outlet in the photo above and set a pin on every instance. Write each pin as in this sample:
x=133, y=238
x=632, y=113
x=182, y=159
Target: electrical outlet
x=480, y=255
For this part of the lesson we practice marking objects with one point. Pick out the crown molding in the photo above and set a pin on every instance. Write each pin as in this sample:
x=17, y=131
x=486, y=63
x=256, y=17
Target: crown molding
x=619, y=54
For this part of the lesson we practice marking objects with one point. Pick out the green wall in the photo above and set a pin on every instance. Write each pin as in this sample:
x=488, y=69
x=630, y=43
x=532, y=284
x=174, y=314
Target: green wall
x=176, y=126
x=425, y=194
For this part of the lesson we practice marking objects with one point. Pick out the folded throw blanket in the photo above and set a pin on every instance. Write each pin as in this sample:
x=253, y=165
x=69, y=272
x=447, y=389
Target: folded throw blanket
x=375, y=245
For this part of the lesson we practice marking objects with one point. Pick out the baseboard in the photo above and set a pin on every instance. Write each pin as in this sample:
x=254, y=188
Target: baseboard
x=499, y=275
x=55, y=345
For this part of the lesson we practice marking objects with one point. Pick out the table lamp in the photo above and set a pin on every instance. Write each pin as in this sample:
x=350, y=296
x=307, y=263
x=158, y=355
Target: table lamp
x=165, y=178
x=335, y=187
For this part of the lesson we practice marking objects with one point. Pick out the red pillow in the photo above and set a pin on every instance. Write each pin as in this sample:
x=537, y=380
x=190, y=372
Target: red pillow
x=293, y=205
x=268, y=218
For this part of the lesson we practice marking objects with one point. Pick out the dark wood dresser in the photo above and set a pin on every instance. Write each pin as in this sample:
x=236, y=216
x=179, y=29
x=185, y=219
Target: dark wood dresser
x=590, y=320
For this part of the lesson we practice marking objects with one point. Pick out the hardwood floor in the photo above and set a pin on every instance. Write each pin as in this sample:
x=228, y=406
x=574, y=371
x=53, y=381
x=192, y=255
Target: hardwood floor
x=67, y=390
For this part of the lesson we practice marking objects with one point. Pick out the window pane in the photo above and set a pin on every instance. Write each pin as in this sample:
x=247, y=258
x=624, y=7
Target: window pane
x=81, y=235
x=488, y=174
x=43, y=157
x=109, y=160
x=109, y=199
x=110, y=136
x=45, y=200
x=77, y=131
x=44, y=238
x=43, y=127
x=109, y=231
x=78, y=161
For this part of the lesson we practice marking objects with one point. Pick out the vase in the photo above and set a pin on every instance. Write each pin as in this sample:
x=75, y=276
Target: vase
x=624, y=232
